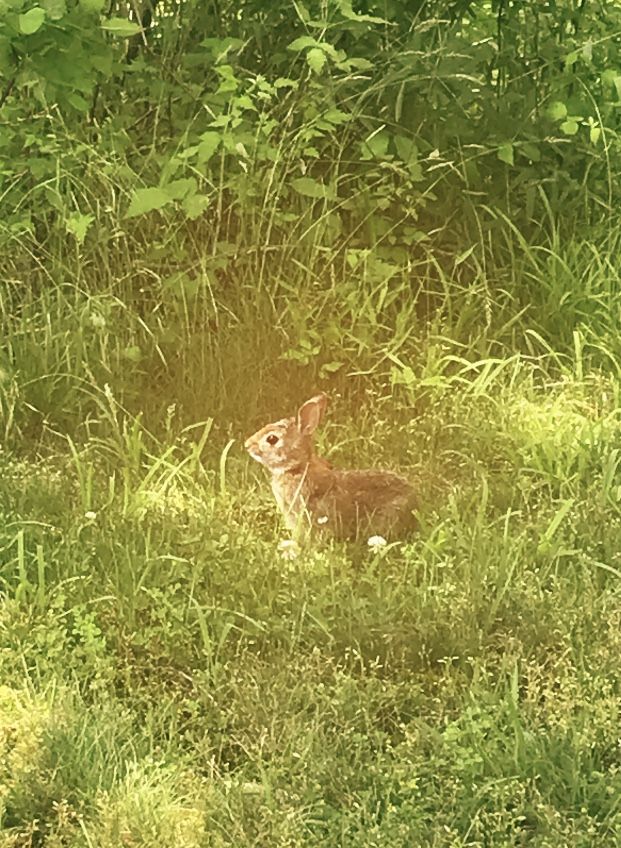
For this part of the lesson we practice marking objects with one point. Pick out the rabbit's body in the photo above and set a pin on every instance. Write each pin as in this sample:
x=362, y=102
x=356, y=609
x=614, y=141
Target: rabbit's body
x=312, y=494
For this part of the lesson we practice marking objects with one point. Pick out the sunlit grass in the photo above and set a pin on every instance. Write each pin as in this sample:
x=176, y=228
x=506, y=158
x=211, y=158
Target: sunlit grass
x=461, y=686
x=172, y=675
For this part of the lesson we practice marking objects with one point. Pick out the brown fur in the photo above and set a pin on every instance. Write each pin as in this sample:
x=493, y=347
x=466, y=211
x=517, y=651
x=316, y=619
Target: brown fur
x=313, y=495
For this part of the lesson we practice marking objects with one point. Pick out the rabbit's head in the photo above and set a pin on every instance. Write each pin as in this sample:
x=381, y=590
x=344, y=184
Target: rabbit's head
x=287, y=444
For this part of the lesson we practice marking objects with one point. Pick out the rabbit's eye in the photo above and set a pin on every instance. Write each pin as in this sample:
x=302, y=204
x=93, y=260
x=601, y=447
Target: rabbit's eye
x=272, y=439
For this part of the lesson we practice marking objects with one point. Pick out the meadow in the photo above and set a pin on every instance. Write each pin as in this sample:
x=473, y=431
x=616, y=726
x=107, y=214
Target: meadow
x=209, y=212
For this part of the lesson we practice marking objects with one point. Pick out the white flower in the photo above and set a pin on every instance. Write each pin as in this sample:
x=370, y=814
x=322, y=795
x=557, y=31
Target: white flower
x=376, y=542
x=289, y=548
x=323, y=519
x=90, y=515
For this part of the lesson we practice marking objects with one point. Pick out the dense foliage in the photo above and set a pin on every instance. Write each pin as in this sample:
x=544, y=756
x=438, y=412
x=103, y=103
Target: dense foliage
x=209, y=209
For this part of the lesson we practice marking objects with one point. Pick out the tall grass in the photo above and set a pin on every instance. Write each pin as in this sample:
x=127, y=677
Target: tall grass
x=167, y=677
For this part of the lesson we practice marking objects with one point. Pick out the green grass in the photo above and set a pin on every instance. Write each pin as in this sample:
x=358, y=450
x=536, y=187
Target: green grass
x=169, y=679
x=420, y=234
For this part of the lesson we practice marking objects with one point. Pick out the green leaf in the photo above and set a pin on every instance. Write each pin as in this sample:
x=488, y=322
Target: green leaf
x=302, y=11
x=569, y=127
x=132, y=353
x=178, y=189
x=572, y=58
x=93, y=6
x=103, y=62
x=594, y=134
x=347, y=12
x=505, y=153
x=336, y=116
x=406, y=149
x=194, y=205
x=210, y=142
x=463, y=256
x=32, y=20
x=78, y=102
x=609, y=78
x=587, y=51
x=146, y=200
x=375, y=146
x=312, y=188
x=330, y=368
x=531, y=151
x=556, y=111
x=6, y=55
x=121, y=27
x=408, y=153
x=316, y=59
x=78, y=225
x=302, y=43
x=361, y=64
x=54, y=9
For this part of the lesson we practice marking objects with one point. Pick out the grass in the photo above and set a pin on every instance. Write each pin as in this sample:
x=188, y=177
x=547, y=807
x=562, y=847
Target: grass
x=168, y=678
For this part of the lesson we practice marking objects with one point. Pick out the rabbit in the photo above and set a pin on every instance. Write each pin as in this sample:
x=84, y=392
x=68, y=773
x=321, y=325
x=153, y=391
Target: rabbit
x=314, y=496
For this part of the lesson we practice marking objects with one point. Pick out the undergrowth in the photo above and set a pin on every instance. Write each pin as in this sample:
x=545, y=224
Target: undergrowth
x=209, y=213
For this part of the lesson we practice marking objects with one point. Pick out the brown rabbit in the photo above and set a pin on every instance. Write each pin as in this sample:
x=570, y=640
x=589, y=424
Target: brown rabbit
x=312, y=495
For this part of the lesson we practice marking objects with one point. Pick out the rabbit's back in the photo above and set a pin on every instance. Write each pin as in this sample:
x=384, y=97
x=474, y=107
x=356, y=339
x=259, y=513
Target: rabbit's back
x=371, y=502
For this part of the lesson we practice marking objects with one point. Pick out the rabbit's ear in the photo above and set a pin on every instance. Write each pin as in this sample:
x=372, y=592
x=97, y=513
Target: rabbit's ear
x=311, y=413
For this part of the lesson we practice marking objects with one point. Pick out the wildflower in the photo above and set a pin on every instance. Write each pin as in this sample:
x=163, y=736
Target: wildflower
x=376, y=542
x=323, y=519
x=289, y=548
x=90, y=515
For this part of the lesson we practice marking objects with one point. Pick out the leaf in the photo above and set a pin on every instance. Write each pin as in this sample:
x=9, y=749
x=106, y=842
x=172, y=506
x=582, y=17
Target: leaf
x=347, y=12
x=194, y=205
x=361, y=64
x=6, y=56
x=32, y=20
x=78, y=102
x=312, y=188
x=408, y=153
x=609, y=78
x=556, y=111
x=571, y=58
x=210, y=142
x=146, y=200
x=132, y=353
x=463, y=256
x=330, y=368
x=94, y=6
x=336, y=116
x=78, y=225
x=505, y=153
x=316, y=59
x=531, y=151
x=302, y=43
x=54, y=9
x=569, y=127
x=375, y=146
x=285, y=82
x=587, y=51
x=178, y=189
x=406, y=149
x=121, y=27
x=594, y=134
x=103, y=63
x=302, y=11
